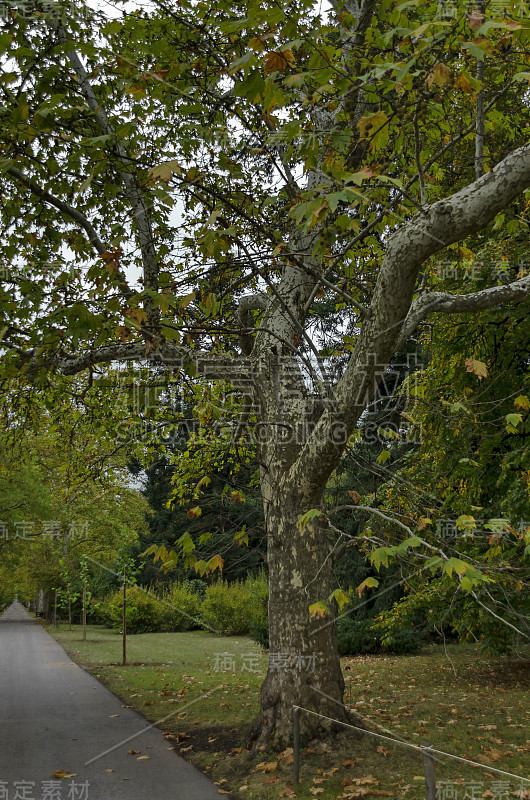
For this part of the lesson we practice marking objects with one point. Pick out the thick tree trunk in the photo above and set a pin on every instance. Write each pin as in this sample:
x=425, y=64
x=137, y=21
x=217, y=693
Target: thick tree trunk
x=304, y=667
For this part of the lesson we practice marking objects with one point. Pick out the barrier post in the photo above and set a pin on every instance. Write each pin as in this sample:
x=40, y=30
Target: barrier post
x=296, y=745
x=428, y=768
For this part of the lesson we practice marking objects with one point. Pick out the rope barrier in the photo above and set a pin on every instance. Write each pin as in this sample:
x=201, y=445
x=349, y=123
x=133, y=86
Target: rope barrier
x=416, y=747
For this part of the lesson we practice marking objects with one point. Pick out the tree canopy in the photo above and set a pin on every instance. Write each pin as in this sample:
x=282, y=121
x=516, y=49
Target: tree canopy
x=251, y=195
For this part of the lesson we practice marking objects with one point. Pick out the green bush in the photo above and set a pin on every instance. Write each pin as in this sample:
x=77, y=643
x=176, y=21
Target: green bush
x=237, y=608
x=364, y=636
x=233, y=609
x=143, y=613
x=181, y=610
x=355, y=637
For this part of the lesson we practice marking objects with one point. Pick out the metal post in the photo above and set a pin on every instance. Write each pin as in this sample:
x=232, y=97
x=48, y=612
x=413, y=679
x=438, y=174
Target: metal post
x=124, y=621
x=428, y=767
x=84, y=612
x=296, y=745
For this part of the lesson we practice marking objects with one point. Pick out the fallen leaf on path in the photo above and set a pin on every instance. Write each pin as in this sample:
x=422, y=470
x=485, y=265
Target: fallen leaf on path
x=62, y=773
x=143, y=758
x=109, y=770
x=112, y=716
x=134, y=752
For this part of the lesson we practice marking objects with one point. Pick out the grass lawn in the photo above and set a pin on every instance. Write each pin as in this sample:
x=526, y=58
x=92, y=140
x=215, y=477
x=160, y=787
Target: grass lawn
x=456, y=699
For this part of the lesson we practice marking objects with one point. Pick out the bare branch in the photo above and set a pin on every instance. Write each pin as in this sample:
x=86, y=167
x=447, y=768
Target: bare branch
x=133, y=189
x=70, y=211
x=210, y=365
x=417, y=151
x=480, y=117
x=514, y=292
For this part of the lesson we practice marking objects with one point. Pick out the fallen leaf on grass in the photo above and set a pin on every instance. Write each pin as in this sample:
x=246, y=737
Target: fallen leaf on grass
x=62, y=773
x=287, y=792
x=383, y=750
x=286, y=756
x=267, y=766
x=349, y=764
x=271, y=779
x=316, y=790
x=186, y=749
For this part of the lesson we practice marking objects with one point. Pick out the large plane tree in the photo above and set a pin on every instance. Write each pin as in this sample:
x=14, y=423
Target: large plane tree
x=221, y=190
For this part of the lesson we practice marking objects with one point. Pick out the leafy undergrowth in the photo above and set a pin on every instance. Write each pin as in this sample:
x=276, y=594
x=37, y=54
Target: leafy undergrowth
x=456, y=700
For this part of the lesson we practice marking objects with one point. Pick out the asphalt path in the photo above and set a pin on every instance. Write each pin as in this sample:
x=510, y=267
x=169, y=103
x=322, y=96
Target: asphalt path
x=55, y=716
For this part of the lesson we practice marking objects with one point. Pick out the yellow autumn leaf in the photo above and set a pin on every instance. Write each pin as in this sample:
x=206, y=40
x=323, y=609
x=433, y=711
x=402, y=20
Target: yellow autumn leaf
x=375, y=128
x=277, y=61
x=463, y=84
x=477, y=367
x=522, y=402
x=440, y=75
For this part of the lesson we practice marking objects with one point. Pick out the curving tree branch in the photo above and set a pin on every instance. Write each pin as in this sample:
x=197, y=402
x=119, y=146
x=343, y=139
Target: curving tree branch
x=437, y=226
x=67, y=209
x=513, y=292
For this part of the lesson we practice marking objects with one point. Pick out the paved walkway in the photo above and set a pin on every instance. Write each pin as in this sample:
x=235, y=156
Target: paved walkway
x=55, y=716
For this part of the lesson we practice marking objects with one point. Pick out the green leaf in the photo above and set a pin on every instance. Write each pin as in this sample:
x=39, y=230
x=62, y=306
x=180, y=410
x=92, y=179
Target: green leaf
x=341, y=598
x=307, y=517
x=456, y=565
x=412, y=541
x=512, y=421
x=475, y=50
x=383, y=457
